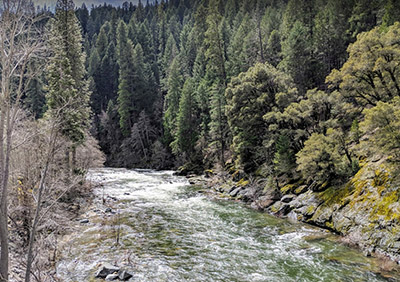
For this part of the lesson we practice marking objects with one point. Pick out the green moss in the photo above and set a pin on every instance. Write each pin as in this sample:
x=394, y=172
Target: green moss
x=301, y=189
x=288, y=188
x=382, y=177
x=329, y=225
x=310, y=210
x=242, y=182
x=384, y=207
x=274, y=208
x=336, y=195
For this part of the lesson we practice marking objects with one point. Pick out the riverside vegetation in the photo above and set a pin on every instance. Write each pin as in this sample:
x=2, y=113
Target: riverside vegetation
x=296, y=100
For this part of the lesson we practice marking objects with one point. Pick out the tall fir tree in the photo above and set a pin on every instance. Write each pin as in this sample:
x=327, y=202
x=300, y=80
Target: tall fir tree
x=68, y=90
x=216, y=76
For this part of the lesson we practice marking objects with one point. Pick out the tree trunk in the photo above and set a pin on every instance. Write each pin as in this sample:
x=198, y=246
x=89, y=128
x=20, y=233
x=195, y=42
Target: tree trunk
x=73, y=162
x=36, y=219
x=29, y=259
x=3, y=204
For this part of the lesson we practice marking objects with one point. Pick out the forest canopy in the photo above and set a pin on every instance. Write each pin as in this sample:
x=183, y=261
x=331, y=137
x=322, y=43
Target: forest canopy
x=292, y=89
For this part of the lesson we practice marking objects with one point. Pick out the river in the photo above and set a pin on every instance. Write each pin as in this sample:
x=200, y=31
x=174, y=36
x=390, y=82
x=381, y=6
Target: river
x=163, y=229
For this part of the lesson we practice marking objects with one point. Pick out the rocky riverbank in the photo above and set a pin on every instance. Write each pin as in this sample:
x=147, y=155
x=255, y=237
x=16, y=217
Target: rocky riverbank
x=365, y=211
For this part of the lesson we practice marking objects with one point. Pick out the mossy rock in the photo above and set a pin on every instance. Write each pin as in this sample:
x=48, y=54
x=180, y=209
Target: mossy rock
x=276, y=207
x=301, y=189
x=288, y=189
x=242, y=182
x=310, y=210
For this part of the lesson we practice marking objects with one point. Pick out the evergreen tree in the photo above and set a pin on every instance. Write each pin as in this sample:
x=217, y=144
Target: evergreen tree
x=216, y=76
x=35, y=99
x=392, y=13
x=68, y=90
x=186, y=131
x=171, y=104
x=297, y=59
x=125, y=82
x=83, y=16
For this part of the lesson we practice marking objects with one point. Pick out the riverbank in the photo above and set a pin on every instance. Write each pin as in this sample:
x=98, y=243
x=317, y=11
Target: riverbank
x=365, y=211
x=59, y=220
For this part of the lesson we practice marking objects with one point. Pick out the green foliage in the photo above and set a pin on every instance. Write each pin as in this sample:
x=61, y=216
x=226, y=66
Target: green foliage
x=297, y=60
x=284, y=159
x=381, y=127
x=392, y=13
x=68, y=90
x=330, y=38
x=125, y=89
x=325, y=156
x=140, y=57
x=186, y=132
x=371, y=73
x=171, y=105
x=250, y=96
x=35, y=99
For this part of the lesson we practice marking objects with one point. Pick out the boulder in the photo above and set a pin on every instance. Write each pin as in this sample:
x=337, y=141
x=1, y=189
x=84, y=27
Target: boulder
x=105, y=270
x=84, y=220
x=124, y=275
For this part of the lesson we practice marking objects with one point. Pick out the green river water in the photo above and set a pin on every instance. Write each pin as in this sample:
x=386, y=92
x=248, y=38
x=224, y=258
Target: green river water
x=169, y=231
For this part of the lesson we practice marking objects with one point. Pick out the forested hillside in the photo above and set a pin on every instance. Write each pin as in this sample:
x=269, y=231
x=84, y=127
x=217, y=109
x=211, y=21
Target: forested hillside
x=276, y=88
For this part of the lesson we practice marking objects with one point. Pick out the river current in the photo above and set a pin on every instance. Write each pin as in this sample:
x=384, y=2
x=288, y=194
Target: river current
x=160, y=228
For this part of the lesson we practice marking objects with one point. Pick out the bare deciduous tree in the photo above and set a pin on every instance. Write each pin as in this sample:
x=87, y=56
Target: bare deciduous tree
x=20, y=42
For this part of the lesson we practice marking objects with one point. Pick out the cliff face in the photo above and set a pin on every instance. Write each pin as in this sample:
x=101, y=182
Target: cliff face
x=366, y=211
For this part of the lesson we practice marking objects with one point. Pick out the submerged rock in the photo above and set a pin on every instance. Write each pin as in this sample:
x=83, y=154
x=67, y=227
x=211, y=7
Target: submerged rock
x=105, y=270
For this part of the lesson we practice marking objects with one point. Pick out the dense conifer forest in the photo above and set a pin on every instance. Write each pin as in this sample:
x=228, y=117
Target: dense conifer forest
x=292, y=89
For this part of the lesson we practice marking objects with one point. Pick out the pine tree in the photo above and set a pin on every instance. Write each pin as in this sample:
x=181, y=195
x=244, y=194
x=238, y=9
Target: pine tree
x=297, y=57
x=68, y=90
x=171, y=104
x=186, y=131
x=392, y=13
x=102, y=40
x=125, y=84
x=35, y=100
x=216, y=76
